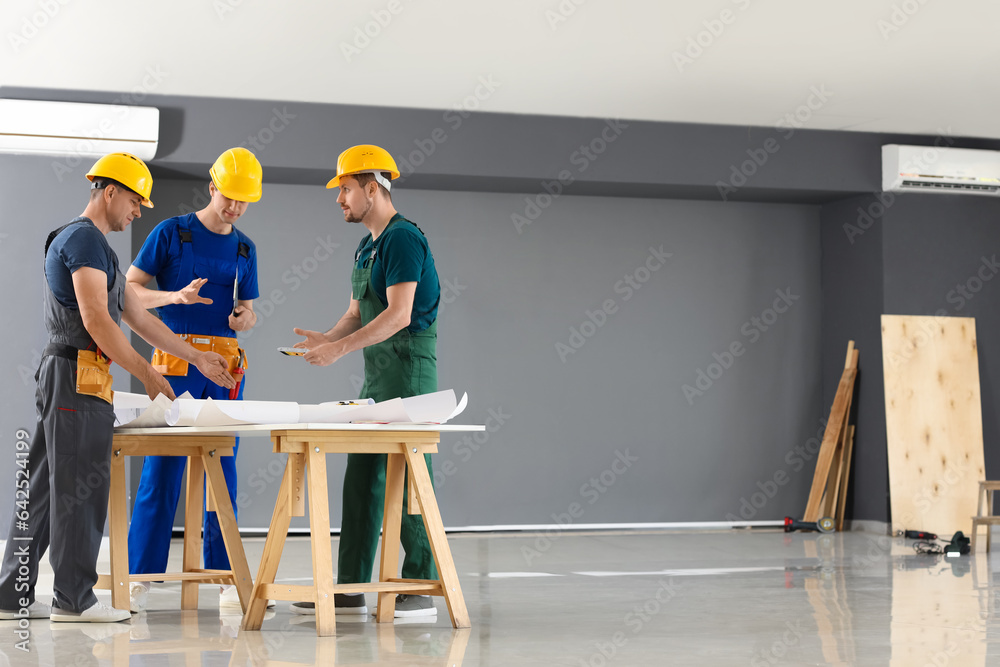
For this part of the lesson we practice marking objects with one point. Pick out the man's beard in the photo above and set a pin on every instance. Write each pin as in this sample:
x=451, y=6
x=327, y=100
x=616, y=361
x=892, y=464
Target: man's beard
x=360, y=218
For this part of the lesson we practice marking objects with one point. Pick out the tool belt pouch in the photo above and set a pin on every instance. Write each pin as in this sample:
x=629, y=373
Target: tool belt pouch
x=168, y=364
x=228, y=348
x=93, y=375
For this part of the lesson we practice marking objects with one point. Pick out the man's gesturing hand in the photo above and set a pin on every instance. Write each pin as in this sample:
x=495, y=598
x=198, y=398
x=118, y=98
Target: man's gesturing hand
x=189, y=294
x=215, y=368
x=312, y=338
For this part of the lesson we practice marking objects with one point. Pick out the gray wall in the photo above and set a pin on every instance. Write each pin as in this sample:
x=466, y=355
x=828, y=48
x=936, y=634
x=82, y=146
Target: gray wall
x=511, y=297
x=740, y=450
x=917, y=255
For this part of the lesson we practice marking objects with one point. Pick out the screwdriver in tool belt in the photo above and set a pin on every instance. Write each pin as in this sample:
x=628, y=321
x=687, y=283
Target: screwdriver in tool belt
x=238, y=376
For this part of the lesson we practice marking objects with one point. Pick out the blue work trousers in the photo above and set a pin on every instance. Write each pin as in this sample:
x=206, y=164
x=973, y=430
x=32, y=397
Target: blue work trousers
x=159, y=490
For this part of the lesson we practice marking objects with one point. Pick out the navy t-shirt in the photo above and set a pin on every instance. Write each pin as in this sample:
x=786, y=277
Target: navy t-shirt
x=80, y=244
x=402, y=255
x=213, y=256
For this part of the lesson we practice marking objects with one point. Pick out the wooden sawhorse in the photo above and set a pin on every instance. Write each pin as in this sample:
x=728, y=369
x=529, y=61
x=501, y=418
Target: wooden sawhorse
x=202, y=452
x=307, y=450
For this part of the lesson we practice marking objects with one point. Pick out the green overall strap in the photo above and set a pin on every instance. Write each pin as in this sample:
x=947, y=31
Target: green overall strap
x=403, y=365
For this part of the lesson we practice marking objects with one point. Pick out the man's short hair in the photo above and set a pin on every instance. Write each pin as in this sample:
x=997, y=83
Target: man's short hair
x=101, y=182
x=367, y=177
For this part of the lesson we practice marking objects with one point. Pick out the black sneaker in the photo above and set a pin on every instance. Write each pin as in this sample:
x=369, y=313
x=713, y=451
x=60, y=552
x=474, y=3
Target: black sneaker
x=343, y=604
x=415, y=605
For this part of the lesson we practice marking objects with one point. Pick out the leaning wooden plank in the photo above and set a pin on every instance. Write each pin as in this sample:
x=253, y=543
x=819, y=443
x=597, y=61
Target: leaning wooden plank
x=845, y=472
x=934, y=424
x=838, y=413
x=830, y=495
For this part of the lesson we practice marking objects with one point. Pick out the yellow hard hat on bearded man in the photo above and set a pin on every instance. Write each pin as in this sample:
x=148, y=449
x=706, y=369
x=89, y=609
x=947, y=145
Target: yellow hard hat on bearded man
x=365, y=158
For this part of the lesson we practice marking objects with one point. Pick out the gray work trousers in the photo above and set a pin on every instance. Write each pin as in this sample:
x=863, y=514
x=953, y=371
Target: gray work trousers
x=69, y=467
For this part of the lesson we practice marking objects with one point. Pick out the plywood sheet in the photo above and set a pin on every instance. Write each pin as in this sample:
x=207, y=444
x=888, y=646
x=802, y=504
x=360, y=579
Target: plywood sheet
x=934, y=423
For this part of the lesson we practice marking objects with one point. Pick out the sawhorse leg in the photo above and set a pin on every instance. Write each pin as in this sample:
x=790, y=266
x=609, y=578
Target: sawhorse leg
x=439, y=541
x=391, y=520
x=322, y=553
x=192, y=529
x=118, y=530
x=227, y=524
x=275, y=543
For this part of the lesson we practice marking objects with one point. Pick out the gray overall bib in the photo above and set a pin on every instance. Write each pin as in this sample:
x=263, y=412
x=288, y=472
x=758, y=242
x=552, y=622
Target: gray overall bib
x=65, y=504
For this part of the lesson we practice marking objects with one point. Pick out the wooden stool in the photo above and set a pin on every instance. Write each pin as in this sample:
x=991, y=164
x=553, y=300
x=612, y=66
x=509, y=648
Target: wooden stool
x=986, y=516
x=202, y=452
x=307, y=451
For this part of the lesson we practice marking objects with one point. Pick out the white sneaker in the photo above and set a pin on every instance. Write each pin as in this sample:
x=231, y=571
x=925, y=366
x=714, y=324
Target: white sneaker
x=229, y=600
x=96, y=613
x=138, y=594
x=38, y=609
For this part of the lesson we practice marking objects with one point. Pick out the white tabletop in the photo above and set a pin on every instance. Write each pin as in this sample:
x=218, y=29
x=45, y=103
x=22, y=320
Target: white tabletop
x=260, y=429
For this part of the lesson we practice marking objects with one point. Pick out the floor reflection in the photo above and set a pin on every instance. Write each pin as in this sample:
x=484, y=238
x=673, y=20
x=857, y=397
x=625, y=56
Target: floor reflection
x=207, y=639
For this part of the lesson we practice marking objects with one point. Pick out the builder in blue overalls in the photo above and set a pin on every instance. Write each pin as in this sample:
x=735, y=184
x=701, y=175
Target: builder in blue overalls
x=206, y=275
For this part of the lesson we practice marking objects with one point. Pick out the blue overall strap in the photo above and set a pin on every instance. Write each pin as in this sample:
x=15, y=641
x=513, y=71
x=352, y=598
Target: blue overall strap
x=242, y=250
x=186, y=272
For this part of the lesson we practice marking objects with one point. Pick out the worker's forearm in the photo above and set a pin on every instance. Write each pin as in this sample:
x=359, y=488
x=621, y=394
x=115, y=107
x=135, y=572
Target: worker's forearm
x=112, y=342
x=153, y=298
x=346, y=326
x=378, y=330
x=159, y=335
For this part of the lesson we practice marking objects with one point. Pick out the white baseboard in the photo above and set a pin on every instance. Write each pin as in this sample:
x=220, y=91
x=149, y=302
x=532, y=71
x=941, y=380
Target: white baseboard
x=555, y=527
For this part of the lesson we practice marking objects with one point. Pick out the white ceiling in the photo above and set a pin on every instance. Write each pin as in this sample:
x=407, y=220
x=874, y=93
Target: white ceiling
x=882, y=69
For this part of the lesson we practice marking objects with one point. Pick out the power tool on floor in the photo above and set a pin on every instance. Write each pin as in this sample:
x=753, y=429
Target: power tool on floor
x=824, y=525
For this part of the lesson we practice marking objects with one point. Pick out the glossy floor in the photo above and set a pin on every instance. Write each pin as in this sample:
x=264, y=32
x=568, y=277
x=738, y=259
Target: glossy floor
x=622, y=598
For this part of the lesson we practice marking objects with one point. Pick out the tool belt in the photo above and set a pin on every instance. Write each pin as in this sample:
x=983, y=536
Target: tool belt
x=93, y=370
x=228, y=348
x=93, y=375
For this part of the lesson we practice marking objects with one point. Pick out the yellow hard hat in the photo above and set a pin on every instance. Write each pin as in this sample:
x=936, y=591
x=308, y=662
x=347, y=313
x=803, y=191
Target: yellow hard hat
x=128, y=170
x=365, y=159
x=237, y=174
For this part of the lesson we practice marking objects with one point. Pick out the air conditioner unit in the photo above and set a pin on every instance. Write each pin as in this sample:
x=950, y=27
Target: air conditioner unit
x=32, y=127
x=934, y=169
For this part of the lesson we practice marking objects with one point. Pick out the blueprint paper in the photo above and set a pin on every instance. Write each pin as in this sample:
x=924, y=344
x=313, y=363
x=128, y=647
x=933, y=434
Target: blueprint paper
x=137, y=411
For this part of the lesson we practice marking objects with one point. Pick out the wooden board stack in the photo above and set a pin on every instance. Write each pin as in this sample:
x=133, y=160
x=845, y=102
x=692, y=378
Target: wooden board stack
x=933, y=420
x=829, y=488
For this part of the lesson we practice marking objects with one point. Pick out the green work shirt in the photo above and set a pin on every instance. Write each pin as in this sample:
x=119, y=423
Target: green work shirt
x=402, y=255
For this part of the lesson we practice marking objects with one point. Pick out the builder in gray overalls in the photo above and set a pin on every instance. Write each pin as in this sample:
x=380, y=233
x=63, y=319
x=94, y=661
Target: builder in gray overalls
x=84, y=302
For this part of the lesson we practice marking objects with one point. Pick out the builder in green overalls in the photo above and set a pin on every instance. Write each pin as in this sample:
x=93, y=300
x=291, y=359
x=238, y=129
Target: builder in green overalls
x=393, y=319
